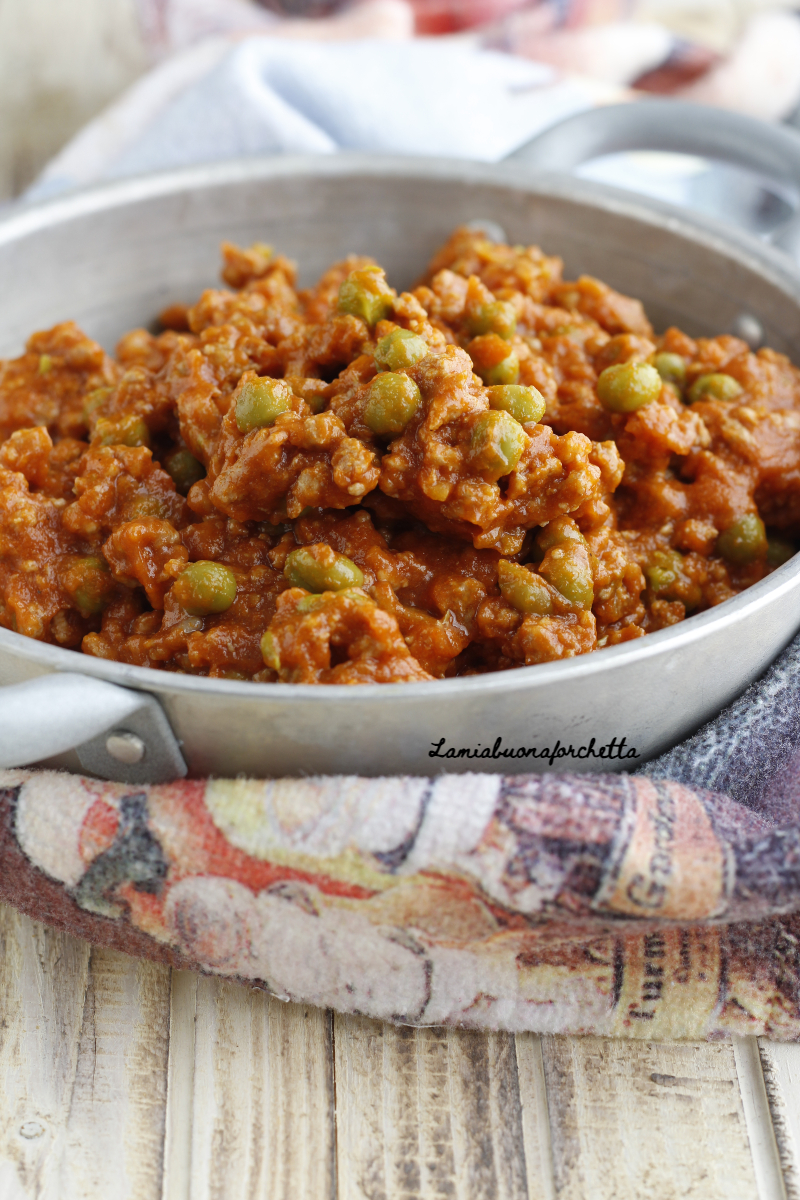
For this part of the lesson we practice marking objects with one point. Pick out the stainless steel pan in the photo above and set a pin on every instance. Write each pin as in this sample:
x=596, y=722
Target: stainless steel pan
x=112, y=257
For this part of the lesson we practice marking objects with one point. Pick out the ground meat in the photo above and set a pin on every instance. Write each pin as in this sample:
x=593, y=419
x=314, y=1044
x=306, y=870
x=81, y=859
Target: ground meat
x=347, y=485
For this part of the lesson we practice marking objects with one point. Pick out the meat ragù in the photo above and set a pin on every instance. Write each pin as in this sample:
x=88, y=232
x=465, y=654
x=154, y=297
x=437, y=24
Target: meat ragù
x=344, y=484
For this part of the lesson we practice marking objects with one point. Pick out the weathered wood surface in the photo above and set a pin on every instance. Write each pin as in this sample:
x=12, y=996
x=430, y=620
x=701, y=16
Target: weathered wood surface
x=781, y=1073
x=121, y=1080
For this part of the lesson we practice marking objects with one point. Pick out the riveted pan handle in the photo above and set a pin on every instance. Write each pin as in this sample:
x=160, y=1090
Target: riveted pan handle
x=772, y=151
x=118, y=733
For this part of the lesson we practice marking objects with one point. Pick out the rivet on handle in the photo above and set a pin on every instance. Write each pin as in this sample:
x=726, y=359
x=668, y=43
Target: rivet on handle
x=125, y=747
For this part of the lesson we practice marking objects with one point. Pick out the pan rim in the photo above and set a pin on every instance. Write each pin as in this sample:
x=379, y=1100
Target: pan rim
x=26, y=220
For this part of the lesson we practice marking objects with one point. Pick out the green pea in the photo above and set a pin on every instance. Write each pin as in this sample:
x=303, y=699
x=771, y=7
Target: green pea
x=665, y=577
x=141, y=507
x=671, y=368
x=260, y=402
x=313, y=603
x=45, y=364
x=716, y=386
x=505, y=372
x=184, y=469
x=662, y=570
x=392, y=400
x=315, y=401
x=121, y=431
x=400, y=348
x=526, y=404
x=498, y=317
x=94, y=400
x=496, y=444
x=204, y=588
x=269, y=652
x=744, y=541
x=90, y=584
x=523, y=590
x=779, y=551
x=317, y=568
x=568, y=569
x=628, y=386
x=323, y=600
x=555, y=533
x=492, y=361
x=364, y=294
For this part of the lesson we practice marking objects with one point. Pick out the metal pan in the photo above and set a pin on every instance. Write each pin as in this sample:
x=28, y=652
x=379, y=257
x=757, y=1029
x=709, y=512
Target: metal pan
x=112, y=257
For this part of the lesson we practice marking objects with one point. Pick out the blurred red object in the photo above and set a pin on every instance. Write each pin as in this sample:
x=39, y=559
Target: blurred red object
x=450, y=16
x=685, y=65
x=431, y=16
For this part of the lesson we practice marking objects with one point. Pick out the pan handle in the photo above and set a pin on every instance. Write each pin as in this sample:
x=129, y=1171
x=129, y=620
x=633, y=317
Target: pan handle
x=772, y=151
x=118, y=733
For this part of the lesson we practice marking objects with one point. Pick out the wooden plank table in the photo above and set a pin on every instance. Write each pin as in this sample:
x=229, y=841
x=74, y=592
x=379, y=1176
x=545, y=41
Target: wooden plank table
x=123, y=1079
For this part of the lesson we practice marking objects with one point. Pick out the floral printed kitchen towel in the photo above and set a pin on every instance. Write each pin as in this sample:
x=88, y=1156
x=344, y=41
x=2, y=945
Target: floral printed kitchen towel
x=630, y=906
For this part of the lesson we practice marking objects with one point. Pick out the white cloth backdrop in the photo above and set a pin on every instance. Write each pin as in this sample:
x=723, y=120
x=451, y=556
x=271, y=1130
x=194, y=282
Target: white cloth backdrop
x=268, y=96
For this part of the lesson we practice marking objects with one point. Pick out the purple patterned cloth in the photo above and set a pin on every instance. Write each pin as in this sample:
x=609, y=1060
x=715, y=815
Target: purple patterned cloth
x=751, y=751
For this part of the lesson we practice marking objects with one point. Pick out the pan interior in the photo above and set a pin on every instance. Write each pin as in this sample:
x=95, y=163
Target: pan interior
x=125, y=254
x=112, y=259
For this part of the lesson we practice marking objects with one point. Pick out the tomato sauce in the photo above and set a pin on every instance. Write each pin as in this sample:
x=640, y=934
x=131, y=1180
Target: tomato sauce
x=348, y=485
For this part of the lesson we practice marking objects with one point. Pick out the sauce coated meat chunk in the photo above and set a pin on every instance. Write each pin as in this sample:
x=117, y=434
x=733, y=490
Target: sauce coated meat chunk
x=347, y=485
